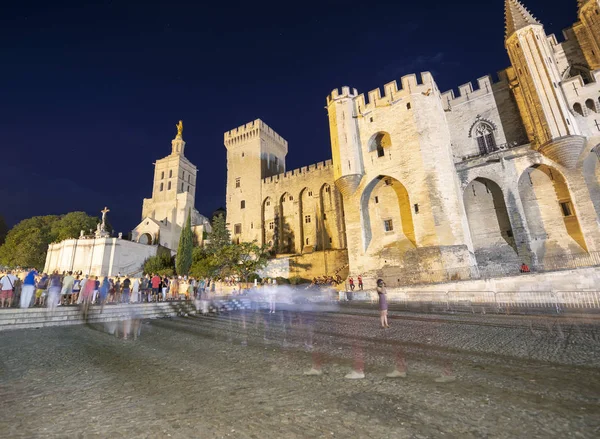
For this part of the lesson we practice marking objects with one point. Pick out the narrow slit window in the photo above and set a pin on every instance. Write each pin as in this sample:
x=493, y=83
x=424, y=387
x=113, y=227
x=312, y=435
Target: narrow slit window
x=388, y=225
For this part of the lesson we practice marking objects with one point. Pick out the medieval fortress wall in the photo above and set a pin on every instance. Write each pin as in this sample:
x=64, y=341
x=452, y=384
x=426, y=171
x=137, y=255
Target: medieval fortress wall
x=454, y=183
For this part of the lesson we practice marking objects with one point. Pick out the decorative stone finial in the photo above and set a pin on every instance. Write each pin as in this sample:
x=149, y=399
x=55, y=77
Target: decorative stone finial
x=517, y=17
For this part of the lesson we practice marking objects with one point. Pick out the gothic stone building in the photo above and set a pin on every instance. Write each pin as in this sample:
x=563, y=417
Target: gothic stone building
x=425, y=183
x=173, y=199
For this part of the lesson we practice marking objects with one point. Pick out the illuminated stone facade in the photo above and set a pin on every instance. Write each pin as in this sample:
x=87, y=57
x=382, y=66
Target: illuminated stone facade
x=173, y=198
x=450, y=185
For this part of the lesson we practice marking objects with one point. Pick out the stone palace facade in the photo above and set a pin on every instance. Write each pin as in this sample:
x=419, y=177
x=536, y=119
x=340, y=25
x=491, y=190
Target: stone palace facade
x=424, y=182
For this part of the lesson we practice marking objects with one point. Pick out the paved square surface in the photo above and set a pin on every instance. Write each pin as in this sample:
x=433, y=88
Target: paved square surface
x=213, y=377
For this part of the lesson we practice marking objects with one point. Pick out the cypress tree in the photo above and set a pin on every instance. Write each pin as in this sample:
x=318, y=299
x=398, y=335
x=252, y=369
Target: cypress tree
x=183, y=261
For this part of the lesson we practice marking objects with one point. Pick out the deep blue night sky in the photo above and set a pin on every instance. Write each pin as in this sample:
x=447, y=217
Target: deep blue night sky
x=90, y=94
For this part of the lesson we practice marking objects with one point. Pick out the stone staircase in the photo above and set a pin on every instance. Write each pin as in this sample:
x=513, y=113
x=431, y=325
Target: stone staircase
x=30, y=318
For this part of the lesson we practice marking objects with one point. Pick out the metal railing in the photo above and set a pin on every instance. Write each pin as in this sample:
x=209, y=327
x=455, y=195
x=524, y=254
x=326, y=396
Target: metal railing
x=506, y=302
x=567, y=261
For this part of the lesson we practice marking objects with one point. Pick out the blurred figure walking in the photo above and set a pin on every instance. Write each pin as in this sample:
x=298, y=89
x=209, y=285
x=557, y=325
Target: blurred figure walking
x=28, y=289
x=54, y=291
x=383, y=306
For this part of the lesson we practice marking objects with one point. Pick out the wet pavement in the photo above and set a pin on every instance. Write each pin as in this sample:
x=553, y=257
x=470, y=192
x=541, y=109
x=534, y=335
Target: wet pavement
x=240, y=375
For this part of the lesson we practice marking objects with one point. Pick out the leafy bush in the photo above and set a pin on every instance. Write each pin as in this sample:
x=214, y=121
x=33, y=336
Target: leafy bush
x=282, y=281
x=163, y=263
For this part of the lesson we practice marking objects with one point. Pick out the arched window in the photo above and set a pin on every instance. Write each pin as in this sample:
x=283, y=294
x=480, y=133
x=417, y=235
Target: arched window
x=484, y=133
x=161, y=187
x=162, y=175
x=170, y=173
x=379, y=142
x=181, y=187
x=578, y=109
x=243, y=204
x=579, y=70
x=168, y=186
x=590, y=105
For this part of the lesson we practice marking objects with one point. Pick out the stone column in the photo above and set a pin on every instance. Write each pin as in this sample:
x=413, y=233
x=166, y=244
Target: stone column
x=518, y=220
x=584, y=208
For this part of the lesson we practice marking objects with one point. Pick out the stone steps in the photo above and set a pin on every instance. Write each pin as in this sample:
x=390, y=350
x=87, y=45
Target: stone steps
x=71, y=315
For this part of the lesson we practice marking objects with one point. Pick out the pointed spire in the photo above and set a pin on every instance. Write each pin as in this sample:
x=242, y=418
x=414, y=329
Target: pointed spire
x=517, y=16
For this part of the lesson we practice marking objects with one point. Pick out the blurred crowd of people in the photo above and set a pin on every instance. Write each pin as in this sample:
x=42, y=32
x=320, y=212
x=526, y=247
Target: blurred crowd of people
x=27, y=288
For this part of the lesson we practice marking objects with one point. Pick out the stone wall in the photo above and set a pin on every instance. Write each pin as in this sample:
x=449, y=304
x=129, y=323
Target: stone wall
x=308, y=266
x=99, y=257
x=584, y=279
x=302, y=210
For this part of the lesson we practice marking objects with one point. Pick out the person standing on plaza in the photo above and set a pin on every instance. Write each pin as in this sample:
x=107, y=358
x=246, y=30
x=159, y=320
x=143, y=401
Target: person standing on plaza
x=81, y=287
x=86, y=296
x=155, y=282
x=135, y=290
x=41, y=287
x=96, y=289
x=104, y=291
x=360, y=282
x=75, y=291
x=126, y=290
x=117, y=298
x=28, y=289
x=144, y=287
x=54, y=291
x=165, y=288
x=67, y=288
x=383, y=306
x=351, y=283
x=174, y=289
x=7, y=288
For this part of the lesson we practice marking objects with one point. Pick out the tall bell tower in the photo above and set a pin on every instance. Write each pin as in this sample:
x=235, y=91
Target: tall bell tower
x=536, y=82
x=254, y=152
x=174, y=189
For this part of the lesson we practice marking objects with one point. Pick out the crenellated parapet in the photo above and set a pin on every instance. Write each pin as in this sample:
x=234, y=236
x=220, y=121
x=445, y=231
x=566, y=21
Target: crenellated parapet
x=252, y=130
x=392, y=94
x=468, y=92
x=310, y=171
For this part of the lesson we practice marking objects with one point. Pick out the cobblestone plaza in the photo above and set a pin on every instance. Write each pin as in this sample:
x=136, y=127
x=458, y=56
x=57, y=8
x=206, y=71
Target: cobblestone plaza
x=241, y=375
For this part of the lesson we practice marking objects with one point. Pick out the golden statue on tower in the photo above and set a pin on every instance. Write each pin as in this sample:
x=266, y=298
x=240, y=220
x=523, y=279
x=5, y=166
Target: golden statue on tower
x=179, y=128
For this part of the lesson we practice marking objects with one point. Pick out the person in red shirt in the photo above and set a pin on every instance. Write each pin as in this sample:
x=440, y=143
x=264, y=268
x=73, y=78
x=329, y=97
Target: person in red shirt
x=351, y=282
x=360, y=283
x=155, y=281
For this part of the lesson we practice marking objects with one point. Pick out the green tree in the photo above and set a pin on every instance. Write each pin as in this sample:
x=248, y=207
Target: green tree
x=248, y=258
x=203, y=264
x=183, y=261
x=162, y=264
x=219, y=236
x=70, y=225
x=3, y=230
x=27, y=242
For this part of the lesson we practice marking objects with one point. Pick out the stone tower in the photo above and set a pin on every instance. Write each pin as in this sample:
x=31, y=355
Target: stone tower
x=254, y=152
x=535, y=79
x=589, y=16
x=173, y=193
x=345, y=142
